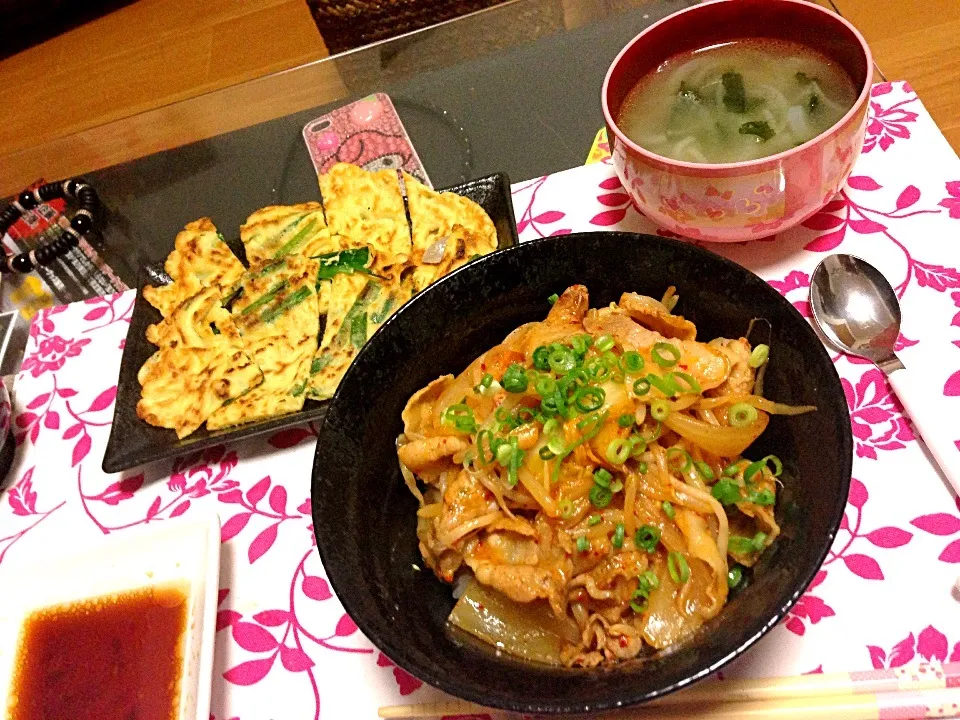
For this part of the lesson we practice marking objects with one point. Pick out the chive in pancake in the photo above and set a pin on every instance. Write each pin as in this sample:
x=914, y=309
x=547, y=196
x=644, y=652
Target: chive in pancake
x=278, y=319
x=279, y=230
x=200, y=366
x=366, y=210
x=200, y=259
x=353, y=298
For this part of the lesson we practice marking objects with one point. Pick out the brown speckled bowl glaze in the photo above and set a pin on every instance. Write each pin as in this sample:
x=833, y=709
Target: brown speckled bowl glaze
x=364, y=517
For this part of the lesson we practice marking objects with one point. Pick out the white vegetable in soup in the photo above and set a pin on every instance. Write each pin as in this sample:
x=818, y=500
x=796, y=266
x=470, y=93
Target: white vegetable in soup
x=737, y=101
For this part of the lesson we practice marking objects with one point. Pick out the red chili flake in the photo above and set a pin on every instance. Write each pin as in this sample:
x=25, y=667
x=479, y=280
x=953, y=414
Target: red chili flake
x=480, y=606
x=623, y=641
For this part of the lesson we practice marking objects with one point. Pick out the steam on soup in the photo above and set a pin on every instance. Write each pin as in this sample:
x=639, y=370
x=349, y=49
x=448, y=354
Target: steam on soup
x=737, y=101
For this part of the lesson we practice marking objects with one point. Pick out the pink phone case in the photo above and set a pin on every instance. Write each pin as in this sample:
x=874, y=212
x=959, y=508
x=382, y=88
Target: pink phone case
x=367, y=133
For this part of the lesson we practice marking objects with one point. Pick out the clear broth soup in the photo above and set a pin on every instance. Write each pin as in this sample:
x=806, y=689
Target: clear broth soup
x=737, y=101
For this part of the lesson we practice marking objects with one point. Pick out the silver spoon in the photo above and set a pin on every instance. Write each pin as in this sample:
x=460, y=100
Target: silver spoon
x=859, y=314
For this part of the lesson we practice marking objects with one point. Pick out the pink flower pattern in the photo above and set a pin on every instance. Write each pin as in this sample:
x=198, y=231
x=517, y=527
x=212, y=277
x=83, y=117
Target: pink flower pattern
x=876, y=415
x=929, y=644
x=888, y=123
x=811, y=608
x=52, y=354
x=537, y=219
x=281, y=629
x=943, y=524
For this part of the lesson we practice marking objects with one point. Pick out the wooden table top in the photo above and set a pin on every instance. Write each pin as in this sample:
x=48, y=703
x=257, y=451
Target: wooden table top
x=915, y=41
x=910, y=40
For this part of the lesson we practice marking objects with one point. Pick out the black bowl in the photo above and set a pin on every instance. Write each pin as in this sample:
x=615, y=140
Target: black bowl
x=364, y=516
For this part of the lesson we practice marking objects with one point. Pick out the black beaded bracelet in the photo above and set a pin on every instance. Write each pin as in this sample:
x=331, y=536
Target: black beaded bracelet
x=81, y=224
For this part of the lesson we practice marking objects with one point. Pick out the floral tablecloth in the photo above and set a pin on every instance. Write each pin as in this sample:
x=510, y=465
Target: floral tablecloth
x=285, y=648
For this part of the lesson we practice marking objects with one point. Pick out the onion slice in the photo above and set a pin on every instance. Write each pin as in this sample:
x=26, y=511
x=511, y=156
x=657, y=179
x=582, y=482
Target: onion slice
x=433, y=255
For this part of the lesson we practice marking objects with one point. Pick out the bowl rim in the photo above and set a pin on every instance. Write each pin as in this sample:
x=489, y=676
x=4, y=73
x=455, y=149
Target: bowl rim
x=344, y=590
x=756, y=163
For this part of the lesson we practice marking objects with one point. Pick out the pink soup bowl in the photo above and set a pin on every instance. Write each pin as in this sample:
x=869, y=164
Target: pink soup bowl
x=733, y=202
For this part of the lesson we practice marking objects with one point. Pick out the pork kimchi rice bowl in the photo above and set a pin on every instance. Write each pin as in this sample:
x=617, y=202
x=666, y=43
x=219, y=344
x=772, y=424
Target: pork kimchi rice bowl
x=587, y=486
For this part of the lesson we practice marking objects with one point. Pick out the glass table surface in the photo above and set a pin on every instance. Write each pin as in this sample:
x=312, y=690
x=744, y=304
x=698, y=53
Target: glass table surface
x=514, y=88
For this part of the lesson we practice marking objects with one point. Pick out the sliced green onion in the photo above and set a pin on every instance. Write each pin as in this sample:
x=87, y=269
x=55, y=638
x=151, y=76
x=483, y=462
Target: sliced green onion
x=752, y=470
x=604, y=343
x=610, y=359
x=777, y=465
x=617, y=539
x=642, y=467
x=665, y=384
x=668, y=509
x=678, y=568
x=545, y=386
x=553, y=299
x=638, y=446
x=516, y=458
x=596, y=369
x=659, y=409
x=616, y=486
x=546, y=453
x=600, y=497
x=734, y=576
x=556, y=444
x=566, y=508
x=692, y=386
x=625, y=420
x=742, y=414
x=541, y=358
x=594, y=520
x=618, y=451
x=641, y=387
x=583, y=544
x=705, y=470
x=515, y=380
x=577, y=376
x=589, y=426
x=745, y=546
x=461, y=417
x=484, y=384
x=727, y=492
x=732, y=469
x=602, y=477
x=646, y=538
x=639, y=607
x=665, y=355
x=580, y=343
x=647, y=583
x=589, y=398
x=551, y=426
x=524, y=415
x=631, y=362
x=762, y=497
x=686, y=462
x=484, y=460
x=562, y=360
x=504, y=454
x=759, y=356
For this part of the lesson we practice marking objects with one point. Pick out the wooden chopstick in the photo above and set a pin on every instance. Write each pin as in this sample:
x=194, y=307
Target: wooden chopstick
x=932, y=689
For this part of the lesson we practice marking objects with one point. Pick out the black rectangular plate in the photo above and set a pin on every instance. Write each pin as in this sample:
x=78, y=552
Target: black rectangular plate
x=133, y=442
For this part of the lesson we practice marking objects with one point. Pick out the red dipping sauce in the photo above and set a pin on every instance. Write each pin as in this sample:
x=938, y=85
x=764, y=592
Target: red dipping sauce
x=117, y=657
